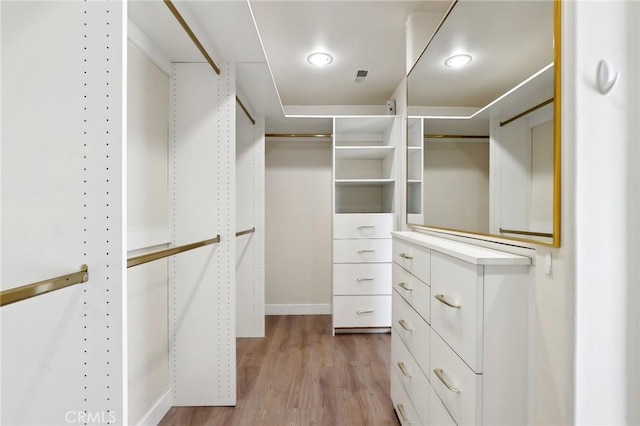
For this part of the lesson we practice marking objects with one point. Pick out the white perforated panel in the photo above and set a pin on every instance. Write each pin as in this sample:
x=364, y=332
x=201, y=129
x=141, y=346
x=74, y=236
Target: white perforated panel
x=62, y=198
x=202, y=205
x=250, y=213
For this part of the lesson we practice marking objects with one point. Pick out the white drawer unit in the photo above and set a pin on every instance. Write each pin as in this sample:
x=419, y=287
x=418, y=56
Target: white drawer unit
x=349, y=226
x=413, y=330
x=402, y=403
x=359, y=251
x=361, y=311
x=361, y=278
x=438, y=414
x=411, y=376
x=473, y=305
x=413, y=258
x=456, y=306
x=455, y=383
x=413, y=290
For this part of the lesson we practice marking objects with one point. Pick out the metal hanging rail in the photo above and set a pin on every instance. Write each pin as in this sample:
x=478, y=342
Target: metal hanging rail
x=36, y=289
x=144, y=258
x=456, y=137
x=193, y=37
x=245, y=110
x=297, y=135
x=246, y=231
x=530, y=233
x=529, y=111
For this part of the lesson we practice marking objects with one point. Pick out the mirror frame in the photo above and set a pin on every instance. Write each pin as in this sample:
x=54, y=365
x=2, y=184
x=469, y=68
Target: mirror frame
x=557, y=133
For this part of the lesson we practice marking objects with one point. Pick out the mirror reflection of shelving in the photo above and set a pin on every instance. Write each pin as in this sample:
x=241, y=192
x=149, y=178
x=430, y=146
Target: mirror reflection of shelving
x=365, y=164
x=415, y=169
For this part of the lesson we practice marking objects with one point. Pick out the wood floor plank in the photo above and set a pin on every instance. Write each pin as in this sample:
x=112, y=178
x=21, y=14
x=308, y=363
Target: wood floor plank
x=301, y=375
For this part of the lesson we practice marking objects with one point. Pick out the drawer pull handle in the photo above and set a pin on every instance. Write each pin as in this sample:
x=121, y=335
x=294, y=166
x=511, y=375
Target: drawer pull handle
x=364, y=279
x=404, y=325
x=366, y=226
x=440, y=375
x=404, y=287
x=403, y=368
x=405, y=420
x=365, y=251
x=440, y=298
x=406, y=256
x=364, y=311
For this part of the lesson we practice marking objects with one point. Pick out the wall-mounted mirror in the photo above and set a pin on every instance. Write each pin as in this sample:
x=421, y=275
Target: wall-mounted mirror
x=483, y=129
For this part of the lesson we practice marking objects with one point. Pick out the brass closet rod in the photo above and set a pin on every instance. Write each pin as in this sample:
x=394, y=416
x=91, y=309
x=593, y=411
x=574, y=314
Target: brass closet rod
x=529, y=111
x=42, y=287
x=246, y=231
x=530, y=233
x=201, y=48
x=456, y=137
x=144, y=258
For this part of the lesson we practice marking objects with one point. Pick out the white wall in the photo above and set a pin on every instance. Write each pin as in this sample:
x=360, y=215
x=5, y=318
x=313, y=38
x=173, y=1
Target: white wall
x=457, y=173
x=298, y=224
x=148, y=226
x=605, y=131
x=63, y=206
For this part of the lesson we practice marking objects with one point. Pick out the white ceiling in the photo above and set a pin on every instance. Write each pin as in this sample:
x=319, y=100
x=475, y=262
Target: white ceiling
x=360, y=34
x=367, y=35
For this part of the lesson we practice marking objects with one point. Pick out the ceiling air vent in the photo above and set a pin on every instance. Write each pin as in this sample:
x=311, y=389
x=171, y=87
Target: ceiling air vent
x=361, y=75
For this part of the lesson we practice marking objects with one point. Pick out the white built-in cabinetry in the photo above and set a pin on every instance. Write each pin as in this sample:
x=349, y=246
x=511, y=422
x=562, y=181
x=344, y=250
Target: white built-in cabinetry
x=415, y=169
x=365, y=169
x=460, y=335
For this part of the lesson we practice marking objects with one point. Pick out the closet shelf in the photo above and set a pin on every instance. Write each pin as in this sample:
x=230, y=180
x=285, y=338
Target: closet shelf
x=364, y=182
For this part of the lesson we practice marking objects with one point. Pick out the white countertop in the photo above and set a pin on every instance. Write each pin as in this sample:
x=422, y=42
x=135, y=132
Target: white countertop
x=463, y=251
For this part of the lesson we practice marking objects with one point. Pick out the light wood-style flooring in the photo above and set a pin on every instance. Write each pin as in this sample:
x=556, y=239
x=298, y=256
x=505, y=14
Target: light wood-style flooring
x=300, y=374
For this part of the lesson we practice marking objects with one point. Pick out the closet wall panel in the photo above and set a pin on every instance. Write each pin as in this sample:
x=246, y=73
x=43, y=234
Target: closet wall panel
x=62, y=206
x=249, y=214
x=202, y=204
x=299, y=236
x=148, y=225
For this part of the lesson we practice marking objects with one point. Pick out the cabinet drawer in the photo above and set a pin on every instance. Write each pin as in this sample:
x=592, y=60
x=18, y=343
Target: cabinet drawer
x=361, y=251
x=414, y=291
x=413, y=330
x=413, y=380
x=438, y=415
x=349, y=226
x=401, y=403
x=361, y=278
x=413, y=258
x=459, y=388
x=458, y=283
x=361, y=311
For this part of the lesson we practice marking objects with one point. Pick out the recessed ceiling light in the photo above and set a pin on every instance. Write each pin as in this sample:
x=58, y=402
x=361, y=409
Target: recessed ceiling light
x=320, y=59
x=457, y=61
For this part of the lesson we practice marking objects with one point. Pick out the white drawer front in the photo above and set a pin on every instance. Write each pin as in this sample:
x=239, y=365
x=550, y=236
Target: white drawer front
x=349, y=226
x=402, y=404
x=413, y=258
x=413, y=330
x=438, y=415
x=361, y=311
x=361, y=251
x=460, y=284
x=361, y=278
x=458, y=386
x=414, y=291
x=411, y=376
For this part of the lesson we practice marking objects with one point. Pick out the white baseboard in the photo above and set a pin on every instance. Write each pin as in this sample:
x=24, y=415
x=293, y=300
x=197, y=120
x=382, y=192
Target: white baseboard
x=158, y=411
x=309, y=309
